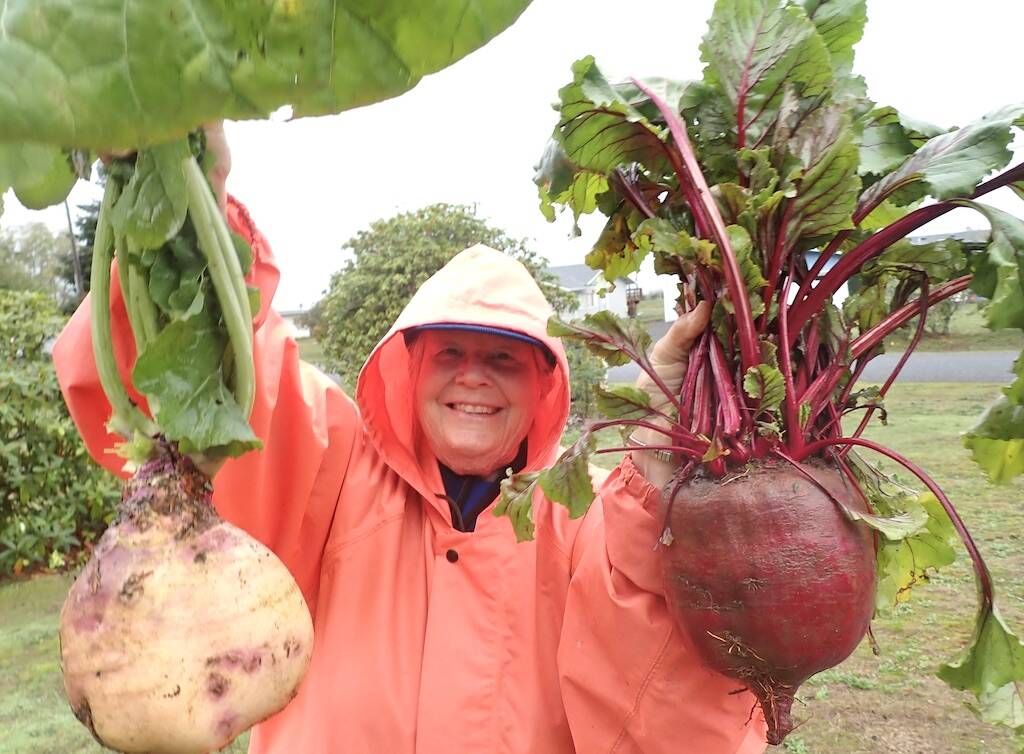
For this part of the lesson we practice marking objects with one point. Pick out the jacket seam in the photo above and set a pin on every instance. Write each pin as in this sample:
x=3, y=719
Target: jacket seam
x=640, y=693
x=337, y=547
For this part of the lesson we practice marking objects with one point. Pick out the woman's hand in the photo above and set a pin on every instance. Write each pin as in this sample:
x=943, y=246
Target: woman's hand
x=220, y=158
x=220, y=154
x=669, y=357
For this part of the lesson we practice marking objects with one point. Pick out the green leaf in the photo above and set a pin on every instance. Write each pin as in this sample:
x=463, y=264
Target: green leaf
x=827, y=190
x=623, y=402
x=114, y=75
x=568, y=481
x=606, y=335
x=560, y=182
x=885, y=143
x=992, y=668
x=841, y=25
x=997, y=440
x=940, y=261
x=952, y=164
x=766, y=385
x=40, y=175
x=1001, y=270
x=896, y=527
x=885, y=214
x=153, y=206
x=180, y=373
x=757, y=49
x=614, y=253
x=911, y=560
x=516, y=501
x=675, y=246
x=599, y=130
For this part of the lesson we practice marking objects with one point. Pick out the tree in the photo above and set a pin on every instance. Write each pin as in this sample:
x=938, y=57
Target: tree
x=30, y=259
x=390, y=262
x=85, y=236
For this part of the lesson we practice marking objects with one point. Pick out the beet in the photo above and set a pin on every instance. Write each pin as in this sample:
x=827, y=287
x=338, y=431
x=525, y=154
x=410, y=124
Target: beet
x=769, y=578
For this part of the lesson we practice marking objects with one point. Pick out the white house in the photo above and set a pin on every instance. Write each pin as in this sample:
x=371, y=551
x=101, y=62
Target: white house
x=587, y=284
x=291, y=316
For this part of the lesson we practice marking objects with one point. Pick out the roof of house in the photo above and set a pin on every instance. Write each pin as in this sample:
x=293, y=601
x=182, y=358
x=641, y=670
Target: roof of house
x=964, y=236
x=576, y=276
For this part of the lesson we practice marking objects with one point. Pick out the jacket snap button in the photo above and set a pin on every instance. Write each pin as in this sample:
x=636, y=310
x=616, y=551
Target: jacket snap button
x=452, y=556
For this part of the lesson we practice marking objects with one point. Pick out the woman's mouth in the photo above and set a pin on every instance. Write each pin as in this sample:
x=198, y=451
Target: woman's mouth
x=473, y=408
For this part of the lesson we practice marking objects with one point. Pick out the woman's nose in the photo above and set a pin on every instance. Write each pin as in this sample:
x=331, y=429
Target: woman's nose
x=472, y=372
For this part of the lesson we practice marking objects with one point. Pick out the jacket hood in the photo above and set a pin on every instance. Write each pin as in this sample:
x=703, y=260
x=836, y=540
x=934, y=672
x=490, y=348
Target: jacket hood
x=479, y=286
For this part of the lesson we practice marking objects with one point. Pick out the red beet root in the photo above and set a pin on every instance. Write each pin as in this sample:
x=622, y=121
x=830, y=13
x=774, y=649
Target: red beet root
x=769, y=578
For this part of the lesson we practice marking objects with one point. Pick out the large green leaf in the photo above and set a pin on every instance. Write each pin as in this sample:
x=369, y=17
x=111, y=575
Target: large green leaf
x=841, y=25
x=599, y=130
x=110, y=73
x=828, y=187
x=40, y=174
x=181, y=374
x=755, y=51
x=950, y=165
x=992, y=668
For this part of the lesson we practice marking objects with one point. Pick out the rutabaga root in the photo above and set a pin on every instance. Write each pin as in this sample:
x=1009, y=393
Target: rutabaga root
x=769, y=578
x=182, y=631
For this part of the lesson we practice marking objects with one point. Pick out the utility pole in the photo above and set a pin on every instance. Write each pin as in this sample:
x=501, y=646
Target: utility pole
x=79, y=283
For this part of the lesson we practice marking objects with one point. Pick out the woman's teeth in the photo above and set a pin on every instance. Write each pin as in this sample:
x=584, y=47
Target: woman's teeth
x=469, y=408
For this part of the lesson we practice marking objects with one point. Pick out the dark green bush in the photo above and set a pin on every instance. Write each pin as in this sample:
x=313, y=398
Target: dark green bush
x=53, y=498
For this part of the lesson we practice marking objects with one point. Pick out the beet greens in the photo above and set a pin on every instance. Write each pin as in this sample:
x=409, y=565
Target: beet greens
x=765, y=187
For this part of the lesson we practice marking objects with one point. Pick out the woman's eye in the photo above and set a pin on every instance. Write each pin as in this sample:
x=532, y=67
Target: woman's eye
x=504, y=359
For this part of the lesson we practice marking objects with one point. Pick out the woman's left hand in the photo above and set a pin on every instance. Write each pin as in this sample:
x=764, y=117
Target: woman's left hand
x=669, y=357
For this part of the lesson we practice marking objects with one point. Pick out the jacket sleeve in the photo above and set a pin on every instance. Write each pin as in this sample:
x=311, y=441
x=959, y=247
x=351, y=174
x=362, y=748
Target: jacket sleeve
x=283, y=495
x=631, y=682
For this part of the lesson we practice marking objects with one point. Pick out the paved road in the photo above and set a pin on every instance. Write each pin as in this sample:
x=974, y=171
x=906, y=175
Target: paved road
x=923, y=366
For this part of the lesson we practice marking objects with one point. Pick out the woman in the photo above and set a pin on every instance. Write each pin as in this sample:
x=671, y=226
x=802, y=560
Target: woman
x=435, y=631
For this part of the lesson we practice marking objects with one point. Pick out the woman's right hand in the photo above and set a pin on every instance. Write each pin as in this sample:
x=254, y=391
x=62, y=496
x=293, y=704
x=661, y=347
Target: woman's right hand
x=216, y=146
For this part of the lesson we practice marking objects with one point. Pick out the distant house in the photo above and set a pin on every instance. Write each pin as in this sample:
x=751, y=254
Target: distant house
x=291, y=318
x=586, y=284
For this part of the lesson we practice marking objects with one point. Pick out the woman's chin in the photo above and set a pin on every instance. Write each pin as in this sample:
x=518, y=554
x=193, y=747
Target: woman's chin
x=472, y=461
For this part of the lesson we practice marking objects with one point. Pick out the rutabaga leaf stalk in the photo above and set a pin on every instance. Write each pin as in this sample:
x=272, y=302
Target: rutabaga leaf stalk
x=234, y=308
x=126, y=418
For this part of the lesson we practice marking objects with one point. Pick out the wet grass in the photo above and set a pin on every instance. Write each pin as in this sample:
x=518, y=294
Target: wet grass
x=867, y=705
x=34, y=714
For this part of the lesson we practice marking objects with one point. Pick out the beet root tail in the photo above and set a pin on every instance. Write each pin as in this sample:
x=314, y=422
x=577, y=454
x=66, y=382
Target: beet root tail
x=776, y=703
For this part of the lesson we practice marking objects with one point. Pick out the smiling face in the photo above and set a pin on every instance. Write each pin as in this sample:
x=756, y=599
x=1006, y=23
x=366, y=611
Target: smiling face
x=476, y=396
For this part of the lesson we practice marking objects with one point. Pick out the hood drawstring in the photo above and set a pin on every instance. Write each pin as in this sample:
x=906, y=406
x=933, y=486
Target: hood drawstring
x=468, y=495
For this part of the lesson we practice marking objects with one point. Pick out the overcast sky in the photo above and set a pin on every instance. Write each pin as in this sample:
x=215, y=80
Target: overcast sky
x=471, y=133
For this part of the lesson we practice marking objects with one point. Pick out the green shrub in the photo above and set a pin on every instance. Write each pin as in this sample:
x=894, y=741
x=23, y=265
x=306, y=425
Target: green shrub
x=585, y=371
x=53, y=498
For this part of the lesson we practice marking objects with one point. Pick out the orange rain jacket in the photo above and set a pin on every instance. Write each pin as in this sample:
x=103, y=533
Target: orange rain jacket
x=428, y=639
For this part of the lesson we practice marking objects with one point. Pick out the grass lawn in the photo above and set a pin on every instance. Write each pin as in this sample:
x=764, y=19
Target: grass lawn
x=967, y=332
x=867, y=705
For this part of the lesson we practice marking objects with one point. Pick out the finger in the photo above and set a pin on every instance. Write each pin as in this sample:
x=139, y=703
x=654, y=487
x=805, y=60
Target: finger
x=675, y=344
